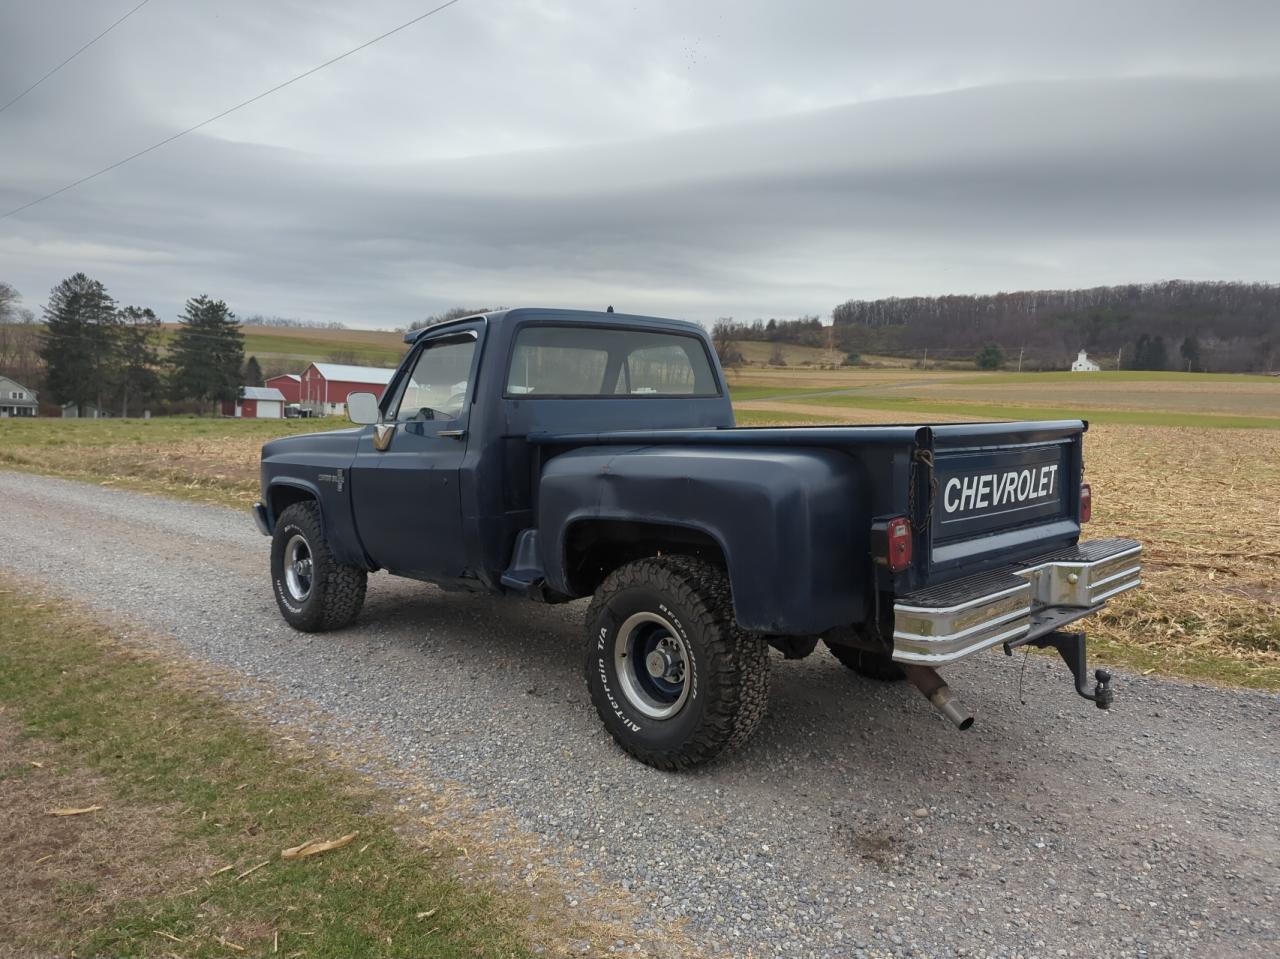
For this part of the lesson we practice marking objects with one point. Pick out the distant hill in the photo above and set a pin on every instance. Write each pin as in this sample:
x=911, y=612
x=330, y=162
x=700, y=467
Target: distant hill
x=1211, y=326
x=289, y=350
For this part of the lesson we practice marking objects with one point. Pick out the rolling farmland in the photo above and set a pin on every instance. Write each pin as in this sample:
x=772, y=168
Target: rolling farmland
x=1190, y=465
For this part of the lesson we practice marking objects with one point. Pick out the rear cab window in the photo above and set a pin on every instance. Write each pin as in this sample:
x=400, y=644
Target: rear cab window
x=586, y=361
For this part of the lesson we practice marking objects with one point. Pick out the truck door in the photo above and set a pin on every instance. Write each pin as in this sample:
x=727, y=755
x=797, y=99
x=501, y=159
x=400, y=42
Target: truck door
x=404, y=484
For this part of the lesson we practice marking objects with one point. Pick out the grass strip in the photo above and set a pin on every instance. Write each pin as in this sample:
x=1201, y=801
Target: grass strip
x=1111, y=376
x=226, y=797
x=745, y=394
x=771, y=418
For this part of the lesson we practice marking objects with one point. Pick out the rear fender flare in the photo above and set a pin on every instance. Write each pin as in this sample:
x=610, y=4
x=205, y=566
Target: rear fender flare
x=589, y=515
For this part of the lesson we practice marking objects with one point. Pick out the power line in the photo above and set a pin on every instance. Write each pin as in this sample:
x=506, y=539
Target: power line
x=74, y=55
x=218, y=116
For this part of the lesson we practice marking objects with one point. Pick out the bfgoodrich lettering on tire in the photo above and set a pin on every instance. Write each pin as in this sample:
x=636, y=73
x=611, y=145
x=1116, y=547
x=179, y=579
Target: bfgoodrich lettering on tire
x=313, y=590
x=674, y=679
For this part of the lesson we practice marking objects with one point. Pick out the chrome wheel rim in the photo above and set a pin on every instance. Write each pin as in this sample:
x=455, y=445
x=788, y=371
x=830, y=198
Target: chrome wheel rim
x=298, y=568
x=652, y=663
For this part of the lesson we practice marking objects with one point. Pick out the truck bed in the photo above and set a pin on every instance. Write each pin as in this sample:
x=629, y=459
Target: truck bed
x=921, y=470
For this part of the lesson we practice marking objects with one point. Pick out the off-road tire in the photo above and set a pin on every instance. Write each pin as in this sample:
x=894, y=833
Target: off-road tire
x=337, y=590
x=877, y=666
x=728, y=668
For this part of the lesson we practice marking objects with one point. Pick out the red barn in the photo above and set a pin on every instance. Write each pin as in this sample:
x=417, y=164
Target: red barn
x=325, y=385
x=289, y=385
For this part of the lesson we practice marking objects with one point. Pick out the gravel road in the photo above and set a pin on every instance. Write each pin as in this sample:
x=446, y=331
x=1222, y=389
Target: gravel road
x=855, y=824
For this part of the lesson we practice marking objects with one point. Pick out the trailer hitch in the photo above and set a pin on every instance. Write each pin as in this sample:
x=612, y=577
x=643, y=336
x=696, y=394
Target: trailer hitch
x=1071, y=647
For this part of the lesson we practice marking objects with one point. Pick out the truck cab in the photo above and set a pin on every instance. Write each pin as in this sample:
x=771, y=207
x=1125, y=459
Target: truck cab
x=557, y=454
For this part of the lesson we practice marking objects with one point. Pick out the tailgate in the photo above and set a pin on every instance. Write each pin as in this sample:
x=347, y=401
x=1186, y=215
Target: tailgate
x=1001, y=491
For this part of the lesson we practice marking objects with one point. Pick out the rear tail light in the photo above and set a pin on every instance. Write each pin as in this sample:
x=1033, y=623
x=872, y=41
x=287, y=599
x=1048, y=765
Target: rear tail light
x=1086, y=502
x=899, y=543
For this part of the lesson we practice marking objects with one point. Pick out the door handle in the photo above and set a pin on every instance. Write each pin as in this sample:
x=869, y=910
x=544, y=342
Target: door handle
x=452, y=434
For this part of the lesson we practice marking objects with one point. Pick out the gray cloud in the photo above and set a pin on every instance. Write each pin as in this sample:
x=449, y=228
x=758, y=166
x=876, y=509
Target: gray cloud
x=690, y=159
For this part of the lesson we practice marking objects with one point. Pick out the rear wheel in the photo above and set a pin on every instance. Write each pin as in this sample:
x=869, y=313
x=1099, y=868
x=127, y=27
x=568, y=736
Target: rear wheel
x=313, y=590
x=871, y=665
x=674, y=679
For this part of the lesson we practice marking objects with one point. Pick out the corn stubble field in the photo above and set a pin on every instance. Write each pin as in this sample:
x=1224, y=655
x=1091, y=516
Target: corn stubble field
x=1204, y=498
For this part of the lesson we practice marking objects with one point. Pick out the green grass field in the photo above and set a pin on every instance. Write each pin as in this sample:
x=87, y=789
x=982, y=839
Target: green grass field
x=996, y=411
x=1131, y=398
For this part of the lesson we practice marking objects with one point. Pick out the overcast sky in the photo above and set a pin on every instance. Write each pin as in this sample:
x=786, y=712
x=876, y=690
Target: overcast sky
x=694, y=158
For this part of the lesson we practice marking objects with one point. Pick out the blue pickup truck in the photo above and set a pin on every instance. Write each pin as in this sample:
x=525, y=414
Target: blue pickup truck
x=559, y=454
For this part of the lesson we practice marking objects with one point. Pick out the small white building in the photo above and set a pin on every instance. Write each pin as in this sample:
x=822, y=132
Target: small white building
x=86, y=412
x=256, y=402
x=1083, y=364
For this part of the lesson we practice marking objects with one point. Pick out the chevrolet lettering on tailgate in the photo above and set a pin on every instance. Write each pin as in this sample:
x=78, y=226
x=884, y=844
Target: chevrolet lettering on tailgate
x=1015, y=488
x=980, y=492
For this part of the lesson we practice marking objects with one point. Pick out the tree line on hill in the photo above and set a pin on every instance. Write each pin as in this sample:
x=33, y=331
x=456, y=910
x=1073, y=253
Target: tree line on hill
x=1215, y=326
x=90, y=351
x=290, y=322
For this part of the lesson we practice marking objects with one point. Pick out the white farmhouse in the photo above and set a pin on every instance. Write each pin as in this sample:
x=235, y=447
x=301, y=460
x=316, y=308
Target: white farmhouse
x=1083, y=364
x=16, y=399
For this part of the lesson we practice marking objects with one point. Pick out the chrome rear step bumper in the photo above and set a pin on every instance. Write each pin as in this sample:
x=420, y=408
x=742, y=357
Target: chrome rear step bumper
x=941, y=624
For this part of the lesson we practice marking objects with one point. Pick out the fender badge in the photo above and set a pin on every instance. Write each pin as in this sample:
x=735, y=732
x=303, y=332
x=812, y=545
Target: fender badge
x=337, y=478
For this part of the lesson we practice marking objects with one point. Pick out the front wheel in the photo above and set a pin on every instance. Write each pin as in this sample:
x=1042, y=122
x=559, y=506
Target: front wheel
x=674, y=679
x=313, y=590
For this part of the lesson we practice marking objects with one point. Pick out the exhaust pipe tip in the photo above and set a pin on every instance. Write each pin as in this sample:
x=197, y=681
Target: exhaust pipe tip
x=935, y=689
x=946, y=704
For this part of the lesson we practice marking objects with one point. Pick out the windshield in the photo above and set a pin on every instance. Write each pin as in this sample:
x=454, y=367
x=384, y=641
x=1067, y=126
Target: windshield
x=590, y=361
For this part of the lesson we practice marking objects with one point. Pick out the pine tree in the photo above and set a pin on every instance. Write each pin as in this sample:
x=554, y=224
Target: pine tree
x=991, y=357
x=1190, y=350
x=1158, y=357
x=138, y=377
x=79, y=347
x=253, y=373
x=207, y=353
x=1150, y=353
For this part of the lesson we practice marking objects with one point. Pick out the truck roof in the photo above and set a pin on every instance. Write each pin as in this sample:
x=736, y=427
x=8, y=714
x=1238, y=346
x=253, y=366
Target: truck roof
x=588, y=317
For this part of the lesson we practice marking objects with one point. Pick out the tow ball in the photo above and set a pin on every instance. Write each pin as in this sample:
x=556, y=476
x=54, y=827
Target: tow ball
x=1071, y=647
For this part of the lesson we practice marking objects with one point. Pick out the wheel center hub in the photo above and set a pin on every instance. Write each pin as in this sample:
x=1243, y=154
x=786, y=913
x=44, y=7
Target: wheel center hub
x=663, y=663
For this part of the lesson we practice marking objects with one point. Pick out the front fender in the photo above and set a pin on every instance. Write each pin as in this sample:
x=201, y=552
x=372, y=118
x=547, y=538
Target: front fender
x=316, y=465
x=792, y=523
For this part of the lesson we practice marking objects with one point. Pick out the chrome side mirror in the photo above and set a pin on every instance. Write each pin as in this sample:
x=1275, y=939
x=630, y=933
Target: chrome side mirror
x=362, y=408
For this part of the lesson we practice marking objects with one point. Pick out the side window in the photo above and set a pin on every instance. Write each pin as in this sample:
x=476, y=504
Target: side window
x=436, y=389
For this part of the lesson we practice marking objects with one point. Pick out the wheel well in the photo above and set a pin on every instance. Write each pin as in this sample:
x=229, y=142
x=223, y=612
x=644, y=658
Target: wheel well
x=282, y=496
x=595, y=548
